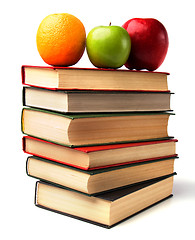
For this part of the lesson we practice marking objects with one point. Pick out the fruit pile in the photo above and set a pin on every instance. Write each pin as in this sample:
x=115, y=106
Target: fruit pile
x=141, y=43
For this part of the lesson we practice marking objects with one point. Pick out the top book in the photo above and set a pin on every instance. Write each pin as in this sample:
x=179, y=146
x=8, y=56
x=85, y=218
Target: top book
x=70, y=78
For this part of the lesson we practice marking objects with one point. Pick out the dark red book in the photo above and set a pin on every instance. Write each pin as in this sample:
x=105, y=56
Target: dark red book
x=70, y=78
x=101, y=156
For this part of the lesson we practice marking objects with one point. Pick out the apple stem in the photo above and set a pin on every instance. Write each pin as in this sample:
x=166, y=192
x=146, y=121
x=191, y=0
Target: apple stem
x=110, y=24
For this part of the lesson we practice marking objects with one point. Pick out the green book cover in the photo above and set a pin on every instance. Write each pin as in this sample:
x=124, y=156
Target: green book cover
x=96, y=115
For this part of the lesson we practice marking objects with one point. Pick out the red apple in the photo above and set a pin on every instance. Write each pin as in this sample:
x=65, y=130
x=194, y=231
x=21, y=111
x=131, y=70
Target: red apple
x=149, y=43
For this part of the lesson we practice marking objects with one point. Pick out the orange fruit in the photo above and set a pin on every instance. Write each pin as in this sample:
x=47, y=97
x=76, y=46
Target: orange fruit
x=61, y=39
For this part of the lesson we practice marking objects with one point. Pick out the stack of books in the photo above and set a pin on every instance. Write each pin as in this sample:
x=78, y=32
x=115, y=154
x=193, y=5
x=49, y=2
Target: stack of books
x=97, y=140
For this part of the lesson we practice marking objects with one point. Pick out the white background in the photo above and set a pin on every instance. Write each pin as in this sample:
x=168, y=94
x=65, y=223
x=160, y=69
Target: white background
x=19, y=22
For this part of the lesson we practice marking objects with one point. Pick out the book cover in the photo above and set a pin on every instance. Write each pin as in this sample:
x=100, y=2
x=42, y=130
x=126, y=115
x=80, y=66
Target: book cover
x=97, y=115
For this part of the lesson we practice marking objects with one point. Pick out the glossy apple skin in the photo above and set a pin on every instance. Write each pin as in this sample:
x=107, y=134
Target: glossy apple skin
x=149, y=43
x=108, y=46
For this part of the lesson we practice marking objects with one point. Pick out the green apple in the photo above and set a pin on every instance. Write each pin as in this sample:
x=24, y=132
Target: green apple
x=108, y=46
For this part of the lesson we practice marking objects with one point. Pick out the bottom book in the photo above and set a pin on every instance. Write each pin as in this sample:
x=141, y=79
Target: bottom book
x=105, y=209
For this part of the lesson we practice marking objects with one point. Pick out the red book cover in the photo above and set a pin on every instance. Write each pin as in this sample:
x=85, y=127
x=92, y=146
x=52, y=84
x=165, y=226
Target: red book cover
x=123, y=145
x=89, y=149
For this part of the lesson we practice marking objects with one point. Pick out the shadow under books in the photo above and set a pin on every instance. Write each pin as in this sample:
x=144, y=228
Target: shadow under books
x=184, y=189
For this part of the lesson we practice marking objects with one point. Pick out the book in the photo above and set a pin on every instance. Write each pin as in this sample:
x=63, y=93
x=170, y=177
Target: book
x=93, y=78
x=101, y=156
x=99, y=180
x=107, y=209
x=92, y=129
x=95, y=101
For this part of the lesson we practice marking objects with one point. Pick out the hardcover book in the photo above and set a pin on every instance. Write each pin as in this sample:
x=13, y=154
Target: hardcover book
x=107, y=209
x=95, y=101
x=93, y=79
x=92, y=129
x=99, y=180
x=101, y=156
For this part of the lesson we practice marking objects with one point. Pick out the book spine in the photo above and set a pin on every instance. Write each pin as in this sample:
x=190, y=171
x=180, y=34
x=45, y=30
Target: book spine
x=24, y=96
x=22, y=130
x=24, y=144
x=27, y=167
x=23, y=74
